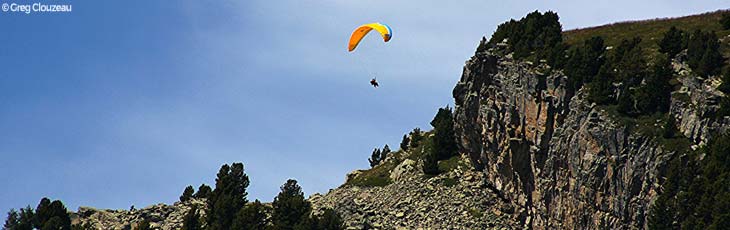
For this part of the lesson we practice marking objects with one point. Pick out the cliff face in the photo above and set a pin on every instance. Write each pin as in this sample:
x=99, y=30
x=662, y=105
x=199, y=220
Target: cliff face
x=562, y=160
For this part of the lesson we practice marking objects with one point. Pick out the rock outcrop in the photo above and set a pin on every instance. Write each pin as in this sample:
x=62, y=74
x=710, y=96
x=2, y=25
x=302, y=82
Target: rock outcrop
x=160, y=216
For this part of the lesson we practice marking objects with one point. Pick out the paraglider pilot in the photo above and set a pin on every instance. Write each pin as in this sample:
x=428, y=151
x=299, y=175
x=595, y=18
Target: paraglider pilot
x=374, y=83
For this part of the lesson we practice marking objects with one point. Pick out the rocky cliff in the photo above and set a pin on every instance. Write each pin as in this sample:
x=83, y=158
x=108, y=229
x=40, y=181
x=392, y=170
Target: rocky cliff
x=564, y=162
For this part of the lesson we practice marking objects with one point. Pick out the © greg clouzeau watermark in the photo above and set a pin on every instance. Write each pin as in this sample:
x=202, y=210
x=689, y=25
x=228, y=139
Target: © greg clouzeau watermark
x=35, y=7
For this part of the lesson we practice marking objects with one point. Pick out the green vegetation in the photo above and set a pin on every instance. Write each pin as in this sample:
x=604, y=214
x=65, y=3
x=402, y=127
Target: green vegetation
x=404, y=143
x=476, y=212
x=725, y=20
x=191, y=221
x=291, y=209
x=228, y=197
x=203, y=191
x=696, y=193
x=703, y=54
x=374, y=158
x=673, y=42
x=252, y=216
x=187, y=194
x=650, y=31
x=444, y=140
x=537, y=35
x=47, y=215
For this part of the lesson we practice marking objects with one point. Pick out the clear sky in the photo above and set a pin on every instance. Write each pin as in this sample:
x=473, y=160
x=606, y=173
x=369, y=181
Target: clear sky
x=127, y=102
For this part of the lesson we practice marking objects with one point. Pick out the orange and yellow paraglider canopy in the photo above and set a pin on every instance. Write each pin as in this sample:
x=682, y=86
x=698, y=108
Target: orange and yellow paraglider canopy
x=363, y=30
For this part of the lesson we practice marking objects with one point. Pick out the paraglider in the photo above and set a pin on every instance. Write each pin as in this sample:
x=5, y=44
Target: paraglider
x=362, y=31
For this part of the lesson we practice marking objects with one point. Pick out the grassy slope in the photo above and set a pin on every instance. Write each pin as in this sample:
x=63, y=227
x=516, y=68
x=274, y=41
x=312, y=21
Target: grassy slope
x=650, y=31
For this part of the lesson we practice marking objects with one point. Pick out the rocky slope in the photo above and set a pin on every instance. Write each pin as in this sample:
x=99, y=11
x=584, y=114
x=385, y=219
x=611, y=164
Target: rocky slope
x=459, y=199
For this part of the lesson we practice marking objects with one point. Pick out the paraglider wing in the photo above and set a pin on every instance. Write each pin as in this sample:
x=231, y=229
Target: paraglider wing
x=363, y=30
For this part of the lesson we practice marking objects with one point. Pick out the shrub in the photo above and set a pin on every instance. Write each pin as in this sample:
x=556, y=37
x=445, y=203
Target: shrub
x=430, y=160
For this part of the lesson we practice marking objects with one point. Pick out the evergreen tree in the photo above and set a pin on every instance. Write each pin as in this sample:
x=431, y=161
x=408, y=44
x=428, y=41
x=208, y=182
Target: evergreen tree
x=584, y=62
x=673, y=42
x=416, y=137
x=289, y=206
x=703, y=53
x=430, y=160
x=725, y=20
x=374, y=158
x=600, y=90
x=191, y=221
x=13, y=220
x=404, y=143
x=661, y=215
x=228, y=197
x=26, y=219
x=444, y=140
x=536, y=32
x=655, y=94
x=384, y=153
x=329, y=220
x=187, y=194
x=203, y=191
x=252, y=216
x=42, y=213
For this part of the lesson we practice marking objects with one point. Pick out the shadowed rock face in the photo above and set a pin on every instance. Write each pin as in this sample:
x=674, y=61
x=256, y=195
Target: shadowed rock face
x=562, y=160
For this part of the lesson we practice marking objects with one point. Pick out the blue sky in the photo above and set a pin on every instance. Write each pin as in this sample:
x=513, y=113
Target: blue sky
x=127, y=102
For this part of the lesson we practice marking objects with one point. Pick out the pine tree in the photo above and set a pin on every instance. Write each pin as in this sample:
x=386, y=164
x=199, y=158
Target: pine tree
x=13, y=220
x=42, y=212
x=384, y=153
x=673, y=42
x=430, y=160
x=374, y=158
x=228, y=197
x=416, y=137
x=289, y=206
x=187, y=194
x=444, y=140
x=404, y=143
x=661, y=215
x=203, y=191
x=252, y=216
x=26, y=219
x=191, y=221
